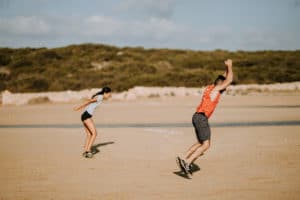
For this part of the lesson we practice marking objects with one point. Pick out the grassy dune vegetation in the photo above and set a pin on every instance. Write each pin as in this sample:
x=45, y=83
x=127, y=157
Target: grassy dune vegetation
x=83, y=66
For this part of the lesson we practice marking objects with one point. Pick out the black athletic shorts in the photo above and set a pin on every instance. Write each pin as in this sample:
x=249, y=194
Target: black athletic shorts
x=202, y=129
x=85, y=116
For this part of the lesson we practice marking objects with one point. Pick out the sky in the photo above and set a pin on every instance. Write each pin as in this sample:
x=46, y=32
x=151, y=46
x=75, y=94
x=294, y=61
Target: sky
x=181, y=24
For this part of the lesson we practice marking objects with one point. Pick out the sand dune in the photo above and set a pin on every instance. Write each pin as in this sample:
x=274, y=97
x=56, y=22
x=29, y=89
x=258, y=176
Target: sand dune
x=8, y=98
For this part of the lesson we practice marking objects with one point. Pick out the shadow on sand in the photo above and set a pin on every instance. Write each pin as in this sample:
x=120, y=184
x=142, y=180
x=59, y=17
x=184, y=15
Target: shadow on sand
x=194, y=168
x=95, y=148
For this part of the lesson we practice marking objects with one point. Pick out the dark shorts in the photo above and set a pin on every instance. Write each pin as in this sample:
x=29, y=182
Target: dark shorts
x=85, y=116
x=202, y=129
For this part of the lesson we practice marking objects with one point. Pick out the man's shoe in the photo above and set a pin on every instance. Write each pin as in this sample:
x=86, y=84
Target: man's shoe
x=189, y=169
x=178, y=161
x=186, y=168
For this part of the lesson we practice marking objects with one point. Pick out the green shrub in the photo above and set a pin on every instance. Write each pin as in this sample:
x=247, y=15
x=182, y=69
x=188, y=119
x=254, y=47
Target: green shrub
x=65, y=68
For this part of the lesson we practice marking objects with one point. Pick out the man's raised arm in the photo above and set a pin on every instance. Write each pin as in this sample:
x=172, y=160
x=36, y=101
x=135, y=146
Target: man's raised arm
x=228, y=74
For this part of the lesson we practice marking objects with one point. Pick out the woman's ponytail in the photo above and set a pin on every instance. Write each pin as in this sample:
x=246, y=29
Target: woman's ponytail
x=101, y=92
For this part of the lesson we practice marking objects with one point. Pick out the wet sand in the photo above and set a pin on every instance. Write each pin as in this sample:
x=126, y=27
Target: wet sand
x=246, y=162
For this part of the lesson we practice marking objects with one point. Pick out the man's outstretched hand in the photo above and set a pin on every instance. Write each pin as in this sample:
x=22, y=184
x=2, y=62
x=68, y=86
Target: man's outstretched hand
x=228, y=63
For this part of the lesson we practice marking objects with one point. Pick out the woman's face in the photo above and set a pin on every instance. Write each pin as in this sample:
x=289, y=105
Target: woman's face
x=107, y=95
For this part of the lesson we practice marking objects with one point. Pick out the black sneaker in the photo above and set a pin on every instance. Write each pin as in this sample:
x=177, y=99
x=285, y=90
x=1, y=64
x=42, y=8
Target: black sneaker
x=187, y=169
x=178, y=161
x=84, y=154
x=89, y=155
x=183, y=164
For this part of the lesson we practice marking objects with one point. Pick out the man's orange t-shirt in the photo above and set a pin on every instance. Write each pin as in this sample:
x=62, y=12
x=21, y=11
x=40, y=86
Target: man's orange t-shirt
x=208, y=105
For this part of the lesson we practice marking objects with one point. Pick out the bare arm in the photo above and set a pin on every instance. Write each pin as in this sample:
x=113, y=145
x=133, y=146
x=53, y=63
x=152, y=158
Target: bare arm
x=87, y=102
x=228, y=75
x=225, y=73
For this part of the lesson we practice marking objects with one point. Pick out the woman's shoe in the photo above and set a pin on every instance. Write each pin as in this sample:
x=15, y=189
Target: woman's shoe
x=89, y=155
x=84, y=154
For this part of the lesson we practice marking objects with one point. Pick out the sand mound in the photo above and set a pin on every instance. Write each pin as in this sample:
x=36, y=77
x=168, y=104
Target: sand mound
x=8, y=98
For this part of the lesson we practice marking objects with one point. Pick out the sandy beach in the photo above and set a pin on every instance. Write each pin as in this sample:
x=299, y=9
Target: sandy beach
x=41, y=146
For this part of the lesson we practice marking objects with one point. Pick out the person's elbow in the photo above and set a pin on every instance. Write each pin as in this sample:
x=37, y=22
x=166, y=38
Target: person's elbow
x=230, y=78
x=92, y=100
x=228, y=81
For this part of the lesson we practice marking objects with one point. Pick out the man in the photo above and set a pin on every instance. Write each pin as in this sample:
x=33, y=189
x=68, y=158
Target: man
x=210, y=99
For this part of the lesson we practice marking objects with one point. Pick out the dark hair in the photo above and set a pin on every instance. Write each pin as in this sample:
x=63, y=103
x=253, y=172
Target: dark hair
x=220, y=78
x=104, y=90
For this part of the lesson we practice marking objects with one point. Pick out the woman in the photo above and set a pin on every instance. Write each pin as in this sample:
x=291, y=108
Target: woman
x=86, y=118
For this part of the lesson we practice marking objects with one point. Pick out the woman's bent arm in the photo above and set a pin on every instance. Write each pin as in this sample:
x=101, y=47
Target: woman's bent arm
x=76, y=108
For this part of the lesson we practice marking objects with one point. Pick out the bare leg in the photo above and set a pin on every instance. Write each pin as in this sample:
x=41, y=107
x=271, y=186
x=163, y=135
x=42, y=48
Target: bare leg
x=192, y=149
x=88, y=137
x=199, y=152
x=91, y=127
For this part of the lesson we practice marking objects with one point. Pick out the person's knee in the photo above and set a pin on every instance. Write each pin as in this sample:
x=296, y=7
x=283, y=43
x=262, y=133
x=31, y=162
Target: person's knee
x=206, y=144
x=94, y=133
